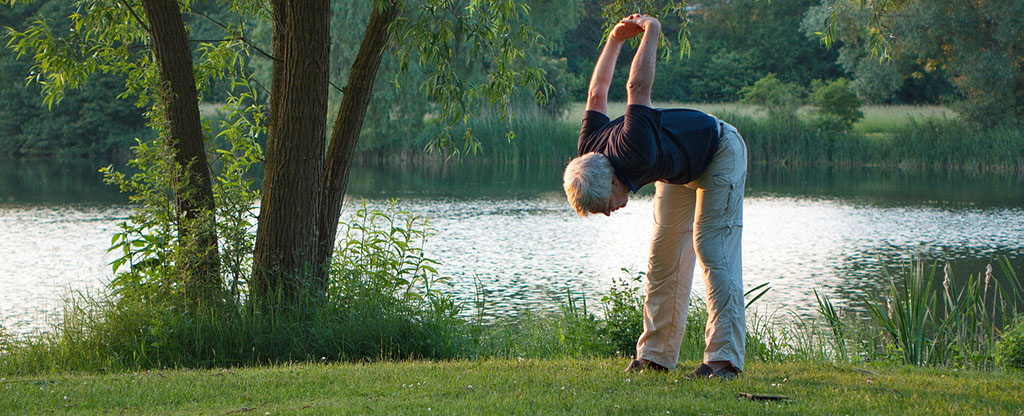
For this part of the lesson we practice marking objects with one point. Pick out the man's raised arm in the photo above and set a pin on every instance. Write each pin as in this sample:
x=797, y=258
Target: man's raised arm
x=597, y=95
x=641, y=73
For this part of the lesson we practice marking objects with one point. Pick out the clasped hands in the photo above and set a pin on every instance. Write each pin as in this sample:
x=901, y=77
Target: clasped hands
x=633, y=25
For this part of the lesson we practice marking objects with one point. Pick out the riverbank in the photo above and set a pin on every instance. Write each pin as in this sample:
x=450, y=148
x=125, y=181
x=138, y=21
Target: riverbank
x=512, y=386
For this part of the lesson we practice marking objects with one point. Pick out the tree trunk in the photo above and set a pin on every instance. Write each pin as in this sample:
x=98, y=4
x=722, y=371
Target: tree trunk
x=198, y=263
x=347, y=126
x=285, y=256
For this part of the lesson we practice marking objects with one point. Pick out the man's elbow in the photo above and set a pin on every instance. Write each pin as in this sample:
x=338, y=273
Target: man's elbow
x=597, y=99
x=638, y=88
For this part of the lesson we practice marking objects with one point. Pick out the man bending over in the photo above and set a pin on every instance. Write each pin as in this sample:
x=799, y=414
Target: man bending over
x=698, y=166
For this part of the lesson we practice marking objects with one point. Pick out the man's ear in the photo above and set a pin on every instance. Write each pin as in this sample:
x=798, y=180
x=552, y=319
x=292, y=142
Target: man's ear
x=615, y=181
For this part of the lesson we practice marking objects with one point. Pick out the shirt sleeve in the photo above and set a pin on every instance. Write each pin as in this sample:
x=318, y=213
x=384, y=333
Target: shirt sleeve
x=637, y=143
x=593, y=123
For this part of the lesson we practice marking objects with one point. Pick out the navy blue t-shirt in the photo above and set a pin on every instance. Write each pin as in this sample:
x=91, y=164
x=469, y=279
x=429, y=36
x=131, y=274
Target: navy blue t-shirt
x=647, y=145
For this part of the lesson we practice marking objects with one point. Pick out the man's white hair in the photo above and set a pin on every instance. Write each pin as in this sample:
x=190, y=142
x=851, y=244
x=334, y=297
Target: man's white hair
x=588, y=182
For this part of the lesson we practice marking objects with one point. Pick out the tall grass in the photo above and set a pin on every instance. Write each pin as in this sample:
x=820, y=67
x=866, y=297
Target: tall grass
x=524, y=136
x=800, y=143
x=951, y=144
x=915, y=137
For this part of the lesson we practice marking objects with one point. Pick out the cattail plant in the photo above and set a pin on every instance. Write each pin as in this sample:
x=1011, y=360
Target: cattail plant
x=965, y=332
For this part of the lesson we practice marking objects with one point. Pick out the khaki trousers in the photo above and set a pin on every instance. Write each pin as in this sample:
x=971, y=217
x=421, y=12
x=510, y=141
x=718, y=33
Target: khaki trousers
x=701, y=220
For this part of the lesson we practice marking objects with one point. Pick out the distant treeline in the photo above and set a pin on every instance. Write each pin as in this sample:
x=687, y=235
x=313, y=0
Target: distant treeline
x=734, y=43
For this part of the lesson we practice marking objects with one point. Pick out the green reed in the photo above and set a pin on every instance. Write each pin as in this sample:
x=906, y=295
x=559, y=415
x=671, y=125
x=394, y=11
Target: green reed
x=915, y=323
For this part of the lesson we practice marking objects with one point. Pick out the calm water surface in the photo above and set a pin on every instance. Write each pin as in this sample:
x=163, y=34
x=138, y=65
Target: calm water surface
x=510, y=227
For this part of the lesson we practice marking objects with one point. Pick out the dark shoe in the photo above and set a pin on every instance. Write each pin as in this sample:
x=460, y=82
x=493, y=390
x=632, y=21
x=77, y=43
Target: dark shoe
x=637, y=366
x=727, y=373
x=702, y=371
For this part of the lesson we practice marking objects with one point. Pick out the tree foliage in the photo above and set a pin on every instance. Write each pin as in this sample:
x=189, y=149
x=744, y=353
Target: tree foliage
x=974, y=45
x=90, y=121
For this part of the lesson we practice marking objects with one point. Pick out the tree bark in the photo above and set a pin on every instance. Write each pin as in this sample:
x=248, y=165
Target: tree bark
x=347, y=126
x=198, y=263
x=286, y=238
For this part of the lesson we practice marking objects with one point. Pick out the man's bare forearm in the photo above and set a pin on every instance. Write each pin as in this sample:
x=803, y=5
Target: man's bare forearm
x=641, y=73
x=601, y=80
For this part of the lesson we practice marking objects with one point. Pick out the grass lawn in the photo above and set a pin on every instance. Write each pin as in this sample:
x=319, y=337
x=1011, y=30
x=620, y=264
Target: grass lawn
x=595, y=386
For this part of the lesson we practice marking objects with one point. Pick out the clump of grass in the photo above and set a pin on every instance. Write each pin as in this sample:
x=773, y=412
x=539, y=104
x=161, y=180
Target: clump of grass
x=907, y=312
x=914, y=323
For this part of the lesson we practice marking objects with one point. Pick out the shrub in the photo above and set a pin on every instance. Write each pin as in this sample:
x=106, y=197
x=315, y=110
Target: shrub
x=837, y=105
x=1009, y=351
x=780, y=99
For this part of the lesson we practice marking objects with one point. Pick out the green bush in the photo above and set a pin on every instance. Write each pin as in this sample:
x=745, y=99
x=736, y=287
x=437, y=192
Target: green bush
x=1009, y=350
x=780, y=99
x=837, y=105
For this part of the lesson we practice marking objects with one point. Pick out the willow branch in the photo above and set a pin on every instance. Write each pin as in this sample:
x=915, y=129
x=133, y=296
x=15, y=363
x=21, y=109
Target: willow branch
x=136, y=16
x=241, y=37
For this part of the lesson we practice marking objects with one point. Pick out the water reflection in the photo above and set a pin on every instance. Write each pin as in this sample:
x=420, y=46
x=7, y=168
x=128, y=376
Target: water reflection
x=509, y=227
x=58, y=181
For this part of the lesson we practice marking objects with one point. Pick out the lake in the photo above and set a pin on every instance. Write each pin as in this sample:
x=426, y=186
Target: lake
x=509, y=227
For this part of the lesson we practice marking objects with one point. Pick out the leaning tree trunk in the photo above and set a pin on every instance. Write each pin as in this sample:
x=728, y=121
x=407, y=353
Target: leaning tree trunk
x=285, y=255
x=347, y=126
x=198, y=264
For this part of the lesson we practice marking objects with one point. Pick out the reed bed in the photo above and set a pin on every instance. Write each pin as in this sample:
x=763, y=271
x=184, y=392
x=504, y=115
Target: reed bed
x=918, y=137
